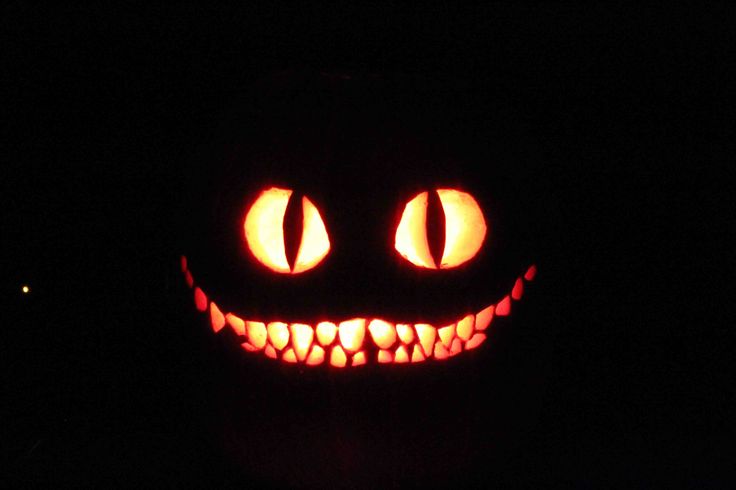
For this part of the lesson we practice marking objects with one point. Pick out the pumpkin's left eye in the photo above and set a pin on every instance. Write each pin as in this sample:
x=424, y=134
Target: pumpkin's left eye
x=264, y=232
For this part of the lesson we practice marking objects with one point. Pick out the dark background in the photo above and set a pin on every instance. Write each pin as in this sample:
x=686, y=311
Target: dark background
x=632, y=112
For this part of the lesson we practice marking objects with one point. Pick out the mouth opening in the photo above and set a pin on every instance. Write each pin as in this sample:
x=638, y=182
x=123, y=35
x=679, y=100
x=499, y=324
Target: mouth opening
x=360, y=340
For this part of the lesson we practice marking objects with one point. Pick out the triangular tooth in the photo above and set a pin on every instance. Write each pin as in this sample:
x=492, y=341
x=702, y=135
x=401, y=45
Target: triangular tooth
x=465, y=327
x=385, y=356
x=446, y=334
x=530, y=273
x=475, y=341
x=503, y=308
x=337, y=357
x=326, y=332
x=406, y=333
x=217, y=319
x=249, y=347
x=200, y=299
x=188, y=278
x=383, y=333
x=402, y=354
x=484, y=317
x=270, y=351
x=301, y=339
x=440, y=351
x=289, y=355
x=427, y=334
x=183, y=263
x=417, y=355
x=278, y=334
x=518, y=289
x=359, y=358
x=351, y=334
x=256, y=333
x=236, y=323
x=457, y=347
x=317, y=356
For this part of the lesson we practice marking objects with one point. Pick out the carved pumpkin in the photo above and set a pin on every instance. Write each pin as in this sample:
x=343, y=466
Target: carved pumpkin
x=355, y=226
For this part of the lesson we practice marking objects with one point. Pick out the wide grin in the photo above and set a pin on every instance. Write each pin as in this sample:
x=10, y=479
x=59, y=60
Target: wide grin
x=344, y=343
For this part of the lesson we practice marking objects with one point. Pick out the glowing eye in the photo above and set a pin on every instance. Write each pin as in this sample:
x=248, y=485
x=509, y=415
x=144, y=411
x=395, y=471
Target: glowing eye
x=264, y=233
x=465, y=230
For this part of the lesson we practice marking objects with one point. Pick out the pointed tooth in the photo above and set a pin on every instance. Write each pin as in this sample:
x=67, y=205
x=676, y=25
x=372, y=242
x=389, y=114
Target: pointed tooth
x=351, y=334
x=475, y=341
x=289, y=355
x=278, y=334
x=530, y=273
x=417, y=355
x=503, y=308
x=216, y=317
x=402, y=355
x=359, y=358
x=317, y=356
x=256, y=333
x=270, y=351
x=385, y=356
x=188, y=278
x=446, y=334
x=440, y=351
x=426, y=333
x=301, y=339
x=484, y=317
x=183, y=264
x=383, y=333
x=518, y=289
x=236, y=323
x=337, y=357
x=326, y=332
x=457, y=347
x=406, y=333
x=249, y=347
x=465, y=327
x=200, y=299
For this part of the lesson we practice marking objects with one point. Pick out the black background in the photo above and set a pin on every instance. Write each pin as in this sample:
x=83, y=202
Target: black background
x=633, y=117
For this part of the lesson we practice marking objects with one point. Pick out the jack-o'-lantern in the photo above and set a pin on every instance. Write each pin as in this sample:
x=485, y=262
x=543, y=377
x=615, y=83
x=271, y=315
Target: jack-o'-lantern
x=359, y=248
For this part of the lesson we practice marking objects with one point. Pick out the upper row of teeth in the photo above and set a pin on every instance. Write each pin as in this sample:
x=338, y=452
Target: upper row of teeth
x=342, y=344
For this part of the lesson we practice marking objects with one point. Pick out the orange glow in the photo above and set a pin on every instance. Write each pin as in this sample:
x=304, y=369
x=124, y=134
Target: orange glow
x=457, y=347
x=383, y=333
x=359, y=359
x=406, y=333
x=411, y=234
x=530, y=273
x=278, y=334
x=417, y=355
x=465, y=327
x=518, y=289
x=188, y=278
x=351, y=334
x=315, y=243
x=216, y=318
x=483, y=318
x=402, y=355
x=270, y=351
x=475, y=341
x=385, y=356
x=249, y=347
x=237, y=324
x=446, y=334
x=289, y=355
x=256, y=333
x=200, y=300
x=264, y=228
x=426, y=334
x=504, y=307
x=465, y=227
x=337, y=357
x=326, y=332
x=317, y=356
x=440, y=351
x=301, y=339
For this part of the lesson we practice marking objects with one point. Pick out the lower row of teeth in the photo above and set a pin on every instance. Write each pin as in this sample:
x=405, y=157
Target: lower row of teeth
x=342, y=344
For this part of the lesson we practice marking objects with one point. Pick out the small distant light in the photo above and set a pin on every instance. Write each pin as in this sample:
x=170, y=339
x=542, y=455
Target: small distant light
x=25, y=289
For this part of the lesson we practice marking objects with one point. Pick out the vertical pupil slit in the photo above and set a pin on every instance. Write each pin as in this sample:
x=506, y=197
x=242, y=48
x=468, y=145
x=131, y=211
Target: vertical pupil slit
x=435, y=227
x=293, y=223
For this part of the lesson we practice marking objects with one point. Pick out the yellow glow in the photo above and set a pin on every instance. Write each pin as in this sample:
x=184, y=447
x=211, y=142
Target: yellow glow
x=289, y=356
x=402, y=355
x=447, y=334
x=256, y=334
x=457, y=347
x=270, y=351
x=264, y=228
x=317, y=356
x=359, y=358
x=278, y=334
x=383, y=333
x=25, y=289
x=315, y=243
x=417, y=355
x=483, y=318
x=337, y=357
x=465, y=327
x=411, y=234
x=465, y=227
x=406, y=333
x=326, y=332
x=440, y=351
x=426, y=334
x=236, y=323
x=351, y=334
x=385, y=356
x=301, y=339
